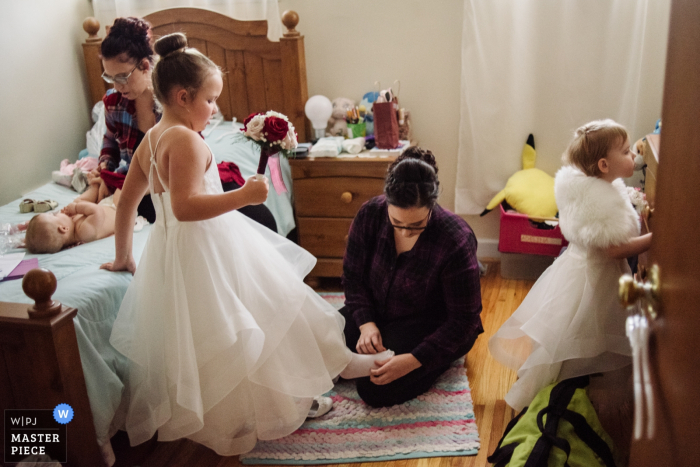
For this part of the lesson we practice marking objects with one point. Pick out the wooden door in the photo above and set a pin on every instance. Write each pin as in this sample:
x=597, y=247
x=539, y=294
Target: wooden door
x=675, y=346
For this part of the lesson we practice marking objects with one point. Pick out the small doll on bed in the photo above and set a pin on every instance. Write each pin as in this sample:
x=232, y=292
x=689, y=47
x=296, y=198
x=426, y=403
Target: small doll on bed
x=88, y=218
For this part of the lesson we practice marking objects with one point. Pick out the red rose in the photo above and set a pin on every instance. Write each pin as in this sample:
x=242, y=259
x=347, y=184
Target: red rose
x=250, y=117
x=275, y=129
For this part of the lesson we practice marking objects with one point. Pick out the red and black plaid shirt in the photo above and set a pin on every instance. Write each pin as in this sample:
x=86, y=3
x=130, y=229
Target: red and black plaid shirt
x=123, y=135
x=435, y=285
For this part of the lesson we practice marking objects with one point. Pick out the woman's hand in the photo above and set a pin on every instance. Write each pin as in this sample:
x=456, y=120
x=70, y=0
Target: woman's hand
x=96, y=171
x=256, y=190
x=115, y=266
x=370, y=341
x=394, y=368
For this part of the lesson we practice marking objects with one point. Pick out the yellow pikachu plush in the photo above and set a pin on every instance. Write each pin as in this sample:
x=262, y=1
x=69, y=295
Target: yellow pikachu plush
x=529, y=191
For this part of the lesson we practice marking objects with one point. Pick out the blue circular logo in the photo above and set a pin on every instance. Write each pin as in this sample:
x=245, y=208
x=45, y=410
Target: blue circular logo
x=63, y=413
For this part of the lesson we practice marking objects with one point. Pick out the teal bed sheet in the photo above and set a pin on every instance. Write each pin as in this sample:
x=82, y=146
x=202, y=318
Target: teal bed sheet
x=227, y=143
x=95, y=293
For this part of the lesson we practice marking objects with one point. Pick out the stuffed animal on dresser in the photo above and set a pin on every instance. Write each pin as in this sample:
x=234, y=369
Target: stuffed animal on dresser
x=337, y=126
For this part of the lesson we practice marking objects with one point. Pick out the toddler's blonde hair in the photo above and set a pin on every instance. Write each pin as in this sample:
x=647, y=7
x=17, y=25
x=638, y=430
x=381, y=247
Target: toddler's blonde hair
x=592, y=142
x=42, y=237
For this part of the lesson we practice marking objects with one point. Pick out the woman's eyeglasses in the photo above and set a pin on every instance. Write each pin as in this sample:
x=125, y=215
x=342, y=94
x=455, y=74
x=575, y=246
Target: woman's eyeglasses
x=414, y=229
x=119, y=79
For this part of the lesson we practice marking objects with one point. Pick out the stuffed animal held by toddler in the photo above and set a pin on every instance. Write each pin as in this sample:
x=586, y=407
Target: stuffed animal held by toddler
x=529, y=191
x=337, y=126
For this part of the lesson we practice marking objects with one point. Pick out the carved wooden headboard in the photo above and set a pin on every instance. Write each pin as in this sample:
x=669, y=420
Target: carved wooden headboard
x=259, y=74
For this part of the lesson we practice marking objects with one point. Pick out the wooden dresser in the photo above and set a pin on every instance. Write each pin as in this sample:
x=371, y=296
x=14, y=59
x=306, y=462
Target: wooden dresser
x=328, y=192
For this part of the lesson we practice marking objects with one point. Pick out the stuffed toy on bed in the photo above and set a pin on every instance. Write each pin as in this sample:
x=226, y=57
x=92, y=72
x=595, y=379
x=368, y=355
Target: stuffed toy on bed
x=529, y=191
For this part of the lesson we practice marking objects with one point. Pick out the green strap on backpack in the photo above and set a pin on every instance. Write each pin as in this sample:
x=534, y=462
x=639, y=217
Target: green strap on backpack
x=559, y=429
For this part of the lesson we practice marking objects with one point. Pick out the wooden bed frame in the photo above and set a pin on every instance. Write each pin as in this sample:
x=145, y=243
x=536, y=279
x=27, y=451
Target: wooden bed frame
x=39, y=358
x=259, y=75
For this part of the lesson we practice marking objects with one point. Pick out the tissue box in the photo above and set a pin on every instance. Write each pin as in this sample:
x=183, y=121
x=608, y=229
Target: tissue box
x=519, y=235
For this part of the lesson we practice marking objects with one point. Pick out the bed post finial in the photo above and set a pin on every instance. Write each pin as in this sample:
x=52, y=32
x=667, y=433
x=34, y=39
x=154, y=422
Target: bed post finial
x=39, y=284
x=92, y=27
x=93, y=62
x=290, y=19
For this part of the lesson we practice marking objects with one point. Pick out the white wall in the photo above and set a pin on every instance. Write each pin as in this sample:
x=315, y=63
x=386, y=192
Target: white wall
x=349, y=46
x=43, y=95
x=352, y=44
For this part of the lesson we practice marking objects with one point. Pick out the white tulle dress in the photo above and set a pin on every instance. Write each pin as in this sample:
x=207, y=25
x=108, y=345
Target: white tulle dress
x=571, y=322
x=226, y=343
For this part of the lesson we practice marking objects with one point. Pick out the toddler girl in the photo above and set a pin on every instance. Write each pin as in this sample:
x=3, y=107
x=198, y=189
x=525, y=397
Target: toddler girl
x=571, y=323
x=226, y=343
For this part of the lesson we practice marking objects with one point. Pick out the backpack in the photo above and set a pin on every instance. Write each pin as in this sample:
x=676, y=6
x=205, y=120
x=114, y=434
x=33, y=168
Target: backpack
x=559, y=429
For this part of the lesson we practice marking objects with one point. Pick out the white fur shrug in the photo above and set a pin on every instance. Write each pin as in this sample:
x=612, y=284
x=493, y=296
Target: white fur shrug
x=593, y=212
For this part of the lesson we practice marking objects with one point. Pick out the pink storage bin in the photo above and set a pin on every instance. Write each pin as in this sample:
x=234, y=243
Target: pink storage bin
x=518, y=235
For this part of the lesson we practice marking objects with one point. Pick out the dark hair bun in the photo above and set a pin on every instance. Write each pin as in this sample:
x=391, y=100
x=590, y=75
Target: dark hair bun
x=415, y=152
x=130, y=36
x=170, y=43
x=130, y=28
x=411, y=181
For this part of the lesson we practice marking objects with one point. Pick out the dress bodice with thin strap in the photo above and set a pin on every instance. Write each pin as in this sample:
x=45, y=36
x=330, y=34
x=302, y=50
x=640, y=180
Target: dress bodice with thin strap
x=161, y=201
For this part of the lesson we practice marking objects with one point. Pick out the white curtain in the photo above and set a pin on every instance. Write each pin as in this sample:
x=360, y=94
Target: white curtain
x=244, y=10
x=546, y=67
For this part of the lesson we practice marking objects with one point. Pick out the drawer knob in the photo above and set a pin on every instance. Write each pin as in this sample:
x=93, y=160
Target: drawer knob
x=346, y=239
x=346, y=197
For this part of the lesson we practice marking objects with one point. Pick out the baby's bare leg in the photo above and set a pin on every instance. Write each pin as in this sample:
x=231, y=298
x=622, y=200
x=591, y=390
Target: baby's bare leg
x=90, y=194
x=102, y=192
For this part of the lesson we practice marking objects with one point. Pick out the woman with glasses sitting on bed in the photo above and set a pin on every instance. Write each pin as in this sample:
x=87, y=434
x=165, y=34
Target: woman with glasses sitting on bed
x=131, y=110
x=411, y=282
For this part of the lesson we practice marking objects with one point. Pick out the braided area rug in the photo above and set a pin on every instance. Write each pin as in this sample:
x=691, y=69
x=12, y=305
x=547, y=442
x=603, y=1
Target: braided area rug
x=337, y=299
x=436, y=424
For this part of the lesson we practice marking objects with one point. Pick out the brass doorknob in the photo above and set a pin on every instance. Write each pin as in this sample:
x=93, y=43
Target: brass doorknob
x=346, y=197
x=631, y=290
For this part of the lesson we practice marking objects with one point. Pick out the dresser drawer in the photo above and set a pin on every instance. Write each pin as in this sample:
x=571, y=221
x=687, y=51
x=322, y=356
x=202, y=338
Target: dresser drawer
x=324, y=237
x=334, y=196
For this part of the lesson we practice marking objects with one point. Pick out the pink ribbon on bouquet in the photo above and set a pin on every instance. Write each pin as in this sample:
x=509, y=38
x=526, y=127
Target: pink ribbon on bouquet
x=273, y=160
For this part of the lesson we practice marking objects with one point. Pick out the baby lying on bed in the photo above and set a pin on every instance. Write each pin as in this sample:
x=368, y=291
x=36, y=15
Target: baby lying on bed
x=82, y=221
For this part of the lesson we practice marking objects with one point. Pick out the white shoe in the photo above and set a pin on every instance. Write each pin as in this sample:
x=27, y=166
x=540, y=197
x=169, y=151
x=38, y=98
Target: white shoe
x=321, y=406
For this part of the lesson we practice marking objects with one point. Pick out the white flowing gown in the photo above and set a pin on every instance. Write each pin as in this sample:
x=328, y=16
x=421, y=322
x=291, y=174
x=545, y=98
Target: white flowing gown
x=571, y=322
x=226, y=344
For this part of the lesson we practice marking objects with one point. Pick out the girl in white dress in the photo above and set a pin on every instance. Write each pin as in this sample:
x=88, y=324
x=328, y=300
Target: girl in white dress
x=571, y=323
x=226, y=344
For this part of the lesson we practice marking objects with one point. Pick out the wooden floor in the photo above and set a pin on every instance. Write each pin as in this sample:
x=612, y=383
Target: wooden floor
x=489, y=383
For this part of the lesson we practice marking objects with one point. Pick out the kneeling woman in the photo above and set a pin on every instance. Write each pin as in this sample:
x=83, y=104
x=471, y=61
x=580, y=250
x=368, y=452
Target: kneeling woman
x=411, y=282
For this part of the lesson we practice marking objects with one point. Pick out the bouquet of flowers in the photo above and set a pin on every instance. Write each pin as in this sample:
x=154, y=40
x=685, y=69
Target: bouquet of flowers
x=275, y=134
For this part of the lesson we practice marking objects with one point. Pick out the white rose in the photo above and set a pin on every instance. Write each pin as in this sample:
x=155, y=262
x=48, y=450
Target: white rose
x=272, y=113
x=255, y=127
x=289, y=141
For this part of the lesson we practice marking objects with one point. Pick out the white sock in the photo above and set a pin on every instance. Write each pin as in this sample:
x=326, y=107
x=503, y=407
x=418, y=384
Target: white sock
x=360, y=364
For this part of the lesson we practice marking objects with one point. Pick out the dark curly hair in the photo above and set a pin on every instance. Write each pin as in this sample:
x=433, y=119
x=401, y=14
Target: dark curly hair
x=411, y=181
x=128, y=36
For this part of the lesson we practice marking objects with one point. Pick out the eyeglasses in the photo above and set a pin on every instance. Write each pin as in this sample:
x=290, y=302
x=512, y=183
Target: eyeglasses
x=414, y=229
x=119, y=79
